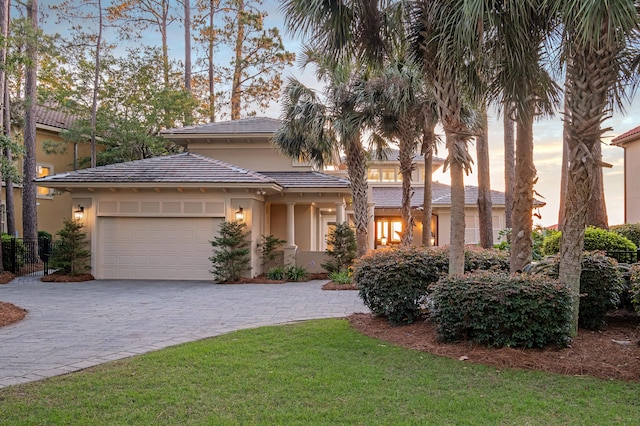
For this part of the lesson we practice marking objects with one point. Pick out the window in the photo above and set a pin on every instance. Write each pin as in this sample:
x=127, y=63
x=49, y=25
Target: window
x=388, y=231
x=374, y=175
x=42, y=171
x=388, y=175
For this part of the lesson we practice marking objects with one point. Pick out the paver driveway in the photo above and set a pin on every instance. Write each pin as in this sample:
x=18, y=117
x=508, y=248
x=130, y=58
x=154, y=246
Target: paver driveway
x=71, y=326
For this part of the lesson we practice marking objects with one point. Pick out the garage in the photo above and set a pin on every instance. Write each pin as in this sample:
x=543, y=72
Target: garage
x=169, y=248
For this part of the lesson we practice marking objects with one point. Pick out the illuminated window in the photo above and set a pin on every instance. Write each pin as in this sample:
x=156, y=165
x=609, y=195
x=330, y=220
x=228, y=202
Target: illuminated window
x=388, y=175
x=42, y=171
x=388, y=231
x=374, y=175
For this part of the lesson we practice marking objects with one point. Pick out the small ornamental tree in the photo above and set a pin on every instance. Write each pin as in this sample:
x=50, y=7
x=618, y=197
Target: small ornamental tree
x=231, y=252
x=342, y=248
x=268, y=246
x=70, y=255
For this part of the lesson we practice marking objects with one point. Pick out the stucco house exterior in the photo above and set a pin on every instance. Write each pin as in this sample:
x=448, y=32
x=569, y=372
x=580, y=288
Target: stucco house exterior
x=53, y=155
x=155, y=218
x=630, y=142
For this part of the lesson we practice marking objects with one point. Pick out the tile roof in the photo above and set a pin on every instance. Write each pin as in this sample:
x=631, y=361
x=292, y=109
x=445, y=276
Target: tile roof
x=179, y=169
x=391, y=197
x=626, y=135
x=243, y=126
x=393, y=155
x=54, y=118
x=307, y=180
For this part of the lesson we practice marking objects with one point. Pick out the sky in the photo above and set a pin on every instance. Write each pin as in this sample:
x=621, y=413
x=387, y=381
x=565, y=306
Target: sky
x=547, y=132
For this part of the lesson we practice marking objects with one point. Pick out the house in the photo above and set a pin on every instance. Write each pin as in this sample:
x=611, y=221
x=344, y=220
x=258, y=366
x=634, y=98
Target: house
x=630, y=142
x=53, y=155
x=155, y=218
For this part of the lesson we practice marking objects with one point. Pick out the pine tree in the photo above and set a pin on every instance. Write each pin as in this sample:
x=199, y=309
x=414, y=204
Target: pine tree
x=342, y=248
x=231, y=252
x=70, y=255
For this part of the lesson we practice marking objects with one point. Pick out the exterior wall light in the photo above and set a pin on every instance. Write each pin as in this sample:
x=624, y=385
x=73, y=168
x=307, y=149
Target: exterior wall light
x=78, y=214
x=240, y=215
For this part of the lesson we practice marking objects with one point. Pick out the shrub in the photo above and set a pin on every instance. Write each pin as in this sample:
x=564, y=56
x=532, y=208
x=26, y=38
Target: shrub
x=601, y=284
x=594, y=239
x=295, y=273
x=634, y=287
x=393, y=282
x=341, y=277
x=477, y=258
x=70, y=255
x=538, y=235
x=630, y=231
x=9, y=262
x=342, y=248
x=230, y=252
x=501, y=310
x=276, y=273
x=268, y=245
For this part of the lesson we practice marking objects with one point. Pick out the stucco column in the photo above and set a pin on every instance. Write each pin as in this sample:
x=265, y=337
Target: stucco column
x=341, y=216
x=291, y=248
x=371, y=234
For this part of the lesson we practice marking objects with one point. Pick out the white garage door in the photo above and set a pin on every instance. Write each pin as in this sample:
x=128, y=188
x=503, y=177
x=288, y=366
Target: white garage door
x=156, y=248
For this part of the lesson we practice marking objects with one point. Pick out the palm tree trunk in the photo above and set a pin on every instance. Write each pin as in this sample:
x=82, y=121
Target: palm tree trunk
x=485, y=205
x=428, y=146
x=597, y=211
x=407, y=142
x=521, y=243
x=509, y=168
x=236, y=89
x=357, y=170
x=455, y=143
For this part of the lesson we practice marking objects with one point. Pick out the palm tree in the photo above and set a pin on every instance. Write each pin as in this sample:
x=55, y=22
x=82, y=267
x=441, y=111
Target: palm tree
x=444, y=68
x=600, y=41
x=317, y=130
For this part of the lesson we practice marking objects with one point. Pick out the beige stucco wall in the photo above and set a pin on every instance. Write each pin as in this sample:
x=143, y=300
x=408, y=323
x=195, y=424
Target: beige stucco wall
x=258, y=156
x=632, y=182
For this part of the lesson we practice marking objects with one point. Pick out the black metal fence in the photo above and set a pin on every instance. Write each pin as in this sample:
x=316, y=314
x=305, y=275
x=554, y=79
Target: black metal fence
x=24, y=257
x=625, y=256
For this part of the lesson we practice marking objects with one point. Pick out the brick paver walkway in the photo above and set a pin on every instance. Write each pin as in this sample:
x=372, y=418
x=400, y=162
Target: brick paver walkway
x=71, y=326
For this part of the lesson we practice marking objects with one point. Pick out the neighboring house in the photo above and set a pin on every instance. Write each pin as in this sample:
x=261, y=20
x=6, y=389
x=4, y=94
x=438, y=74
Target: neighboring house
x=155, y=218
x=52, y=205
x=630, y=142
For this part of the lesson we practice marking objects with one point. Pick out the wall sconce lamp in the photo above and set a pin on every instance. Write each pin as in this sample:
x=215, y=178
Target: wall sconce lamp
x=383, y=241
x=78, y=214
x=240, y=215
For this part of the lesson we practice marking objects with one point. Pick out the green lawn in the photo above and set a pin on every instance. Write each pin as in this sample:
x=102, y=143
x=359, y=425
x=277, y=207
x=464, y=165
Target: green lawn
x=317, y=372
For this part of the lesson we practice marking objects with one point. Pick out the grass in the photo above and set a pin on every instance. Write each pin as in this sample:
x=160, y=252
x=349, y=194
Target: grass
x=317, y=372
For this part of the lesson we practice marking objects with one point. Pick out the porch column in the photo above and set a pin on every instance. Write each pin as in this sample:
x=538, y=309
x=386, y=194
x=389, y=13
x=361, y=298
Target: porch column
x=371, y=233
x=291, y=247
x=341, y=212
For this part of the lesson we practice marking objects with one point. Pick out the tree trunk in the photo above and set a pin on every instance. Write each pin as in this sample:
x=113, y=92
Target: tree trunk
x=96, y=87
x=521, y=243
x=187, y=45
x=29, y=190
x=357, y=170
x=211, y=46
x=10, y=203
x=236, y=87
x=428, y=146
x=589, y=76
x=485, y=213
x=4, y=32
x=456, y=246
x=509, y=167
x=165, y=46
x=597, y=210
x=407, y=144
x=565, y=164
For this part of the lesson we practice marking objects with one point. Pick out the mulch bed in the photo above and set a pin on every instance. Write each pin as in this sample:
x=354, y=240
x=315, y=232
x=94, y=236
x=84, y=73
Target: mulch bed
x=261, y=279
x=10, y=313
x=335, y=286
x=6, y=277
x=611, y=353
x=61, y=278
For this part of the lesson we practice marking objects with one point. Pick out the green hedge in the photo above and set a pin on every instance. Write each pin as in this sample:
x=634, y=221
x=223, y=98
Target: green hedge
x=394, y=282
x=630, y=231
x=501, y=310
x=601, y=284
x=594, y=239
x=634, y=288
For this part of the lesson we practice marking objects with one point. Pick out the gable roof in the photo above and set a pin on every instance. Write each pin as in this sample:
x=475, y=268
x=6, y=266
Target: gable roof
x=252, y=125
x=626, y=137
x=189, y=169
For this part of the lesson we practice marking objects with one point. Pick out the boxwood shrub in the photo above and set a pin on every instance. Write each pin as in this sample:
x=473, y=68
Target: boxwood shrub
x=393, y=282
x=634, y=287
x=594, y=239
x=630, y=231
x=601, y=284
x=501, y=310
